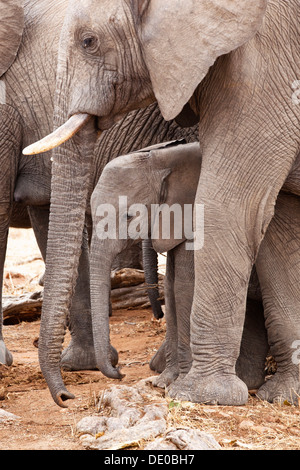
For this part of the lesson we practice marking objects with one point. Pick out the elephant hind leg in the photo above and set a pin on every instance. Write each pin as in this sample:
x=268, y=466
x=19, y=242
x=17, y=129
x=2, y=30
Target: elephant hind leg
x=278, y=269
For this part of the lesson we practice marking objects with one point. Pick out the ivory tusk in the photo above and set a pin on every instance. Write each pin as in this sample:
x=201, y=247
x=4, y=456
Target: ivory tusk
x=59, y=136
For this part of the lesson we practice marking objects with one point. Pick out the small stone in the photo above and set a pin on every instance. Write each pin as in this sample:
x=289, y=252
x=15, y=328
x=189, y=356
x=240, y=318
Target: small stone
x=246, y=424
x=184, y=439
x=5, y=416
x=92, y=425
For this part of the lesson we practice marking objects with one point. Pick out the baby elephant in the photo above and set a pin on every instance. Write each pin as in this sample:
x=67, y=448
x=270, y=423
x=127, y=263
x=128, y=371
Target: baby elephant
x=148, y=194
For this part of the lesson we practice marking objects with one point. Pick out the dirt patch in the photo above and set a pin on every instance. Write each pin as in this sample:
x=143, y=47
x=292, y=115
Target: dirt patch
x=42, y=425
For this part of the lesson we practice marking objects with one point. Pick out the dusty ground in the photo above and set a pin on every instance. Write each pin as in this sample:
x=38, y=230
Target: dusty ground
x=45, y=426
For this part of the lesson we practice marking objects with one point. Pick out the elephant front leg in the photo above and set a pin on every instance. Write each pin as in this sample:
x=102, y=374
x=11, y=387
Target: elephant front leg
x=184, y=293
x=222, y=271
x=80, y=354
x=171, y=371
x=236, y=218
x=5, y=210
x=10, y=137
x=278, y=269
x=6, y=357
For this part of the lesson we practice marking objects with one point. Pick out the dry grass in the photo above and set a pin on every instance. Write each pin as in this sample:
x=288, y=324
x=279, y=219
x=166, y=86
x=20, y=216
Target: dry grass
x=256, y=426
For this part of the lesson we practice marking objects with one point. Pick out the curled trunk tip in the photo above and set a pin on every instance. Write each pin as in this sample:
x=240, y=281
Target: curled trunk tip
x=62, y=396
x=112, y=372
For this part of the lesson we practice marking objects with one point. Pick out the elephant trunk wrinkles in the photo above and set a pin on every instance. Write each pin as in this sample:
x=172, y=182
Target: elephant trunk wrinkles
x=151, y=277
x=70, y=186
x=100, y=264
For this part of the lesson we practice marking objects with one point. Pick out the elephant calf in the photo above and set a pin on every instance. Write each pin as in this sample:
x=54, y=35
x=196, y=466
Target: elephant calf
x=126, y=207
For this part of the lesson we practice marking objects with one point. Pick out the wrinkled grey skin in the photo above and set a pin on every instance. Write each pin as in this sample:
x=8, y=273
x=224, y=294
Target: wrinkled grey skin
x=123, y=54
x=29, y=77
x=147, y=177
x=150, y=264
x=27, y=116
x=170, y=176
x=19, y=219
x=26, y=108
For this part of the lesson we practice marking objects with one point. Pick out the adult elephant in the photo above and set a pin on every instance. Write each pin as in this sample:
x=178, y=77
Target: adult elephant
x=29, y=35
x=234, y=63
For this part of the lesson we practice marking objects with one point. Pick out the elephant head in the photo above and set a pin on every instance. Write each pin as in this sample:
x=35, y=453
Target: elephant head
x=125, y=54
x=115, y=56
x=126, y=207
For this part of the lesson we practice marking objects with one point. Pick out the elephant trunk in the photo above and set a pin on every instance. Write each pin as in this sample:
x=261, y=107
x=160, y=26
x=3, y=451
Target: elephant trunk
x=101, y=259
x=151, y=277
x=71, y=169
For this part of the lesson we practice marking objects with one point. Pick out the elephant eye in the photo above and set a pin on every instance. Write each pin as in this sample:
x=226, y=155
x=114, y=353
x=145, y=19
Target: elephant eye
x=90, y=43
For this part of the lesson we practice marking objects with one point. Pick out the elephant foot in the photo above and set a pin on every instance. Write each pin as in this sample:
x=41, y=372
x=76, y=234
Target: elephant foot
x=253, y=376
x=75, y=358
x=215, y=389
x=166, y=378
x=6, y=357
x=158, y=361
x=279, y=389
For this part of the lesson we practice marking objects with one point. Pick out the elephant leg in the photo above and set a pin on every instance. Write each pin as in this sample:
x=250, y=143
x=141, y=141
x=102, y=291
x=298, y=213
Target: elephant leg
x=222, y=273
x=5, y=213
x=39, y=219
x=184, y=293
x=10, y=138
x=278, y=269
x=251, y=363
x=238, y=187
x=158, y=361
x=79, y=355
x=150, y=262
x=5, y=355
x=171, y=371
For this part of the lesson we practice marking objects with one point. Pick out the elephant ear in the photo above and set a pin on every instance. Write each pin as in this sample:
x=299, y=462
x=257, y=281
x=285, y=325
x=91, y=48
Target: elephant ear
x=11, y=30
x=178, y=168
x=181, y=40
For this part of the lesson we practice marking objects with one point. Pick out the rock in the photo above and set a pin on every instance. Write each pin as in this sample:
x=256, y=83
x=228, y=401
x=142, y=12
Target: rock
x=184, y=439
x=132, y=420
x=5, y=416
x=92, y=425
x=246, y=424
x=138, y=414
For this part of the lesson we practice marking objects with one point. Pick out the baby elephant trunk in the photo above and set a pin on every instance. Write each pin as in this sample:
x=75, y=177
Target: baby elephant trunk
x=102, y=258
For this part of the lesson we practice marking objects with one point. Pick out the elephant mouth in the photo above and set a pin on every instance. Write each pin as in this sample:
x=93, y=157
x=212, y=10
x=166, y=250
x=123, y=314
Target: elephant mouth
x=60, y=135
